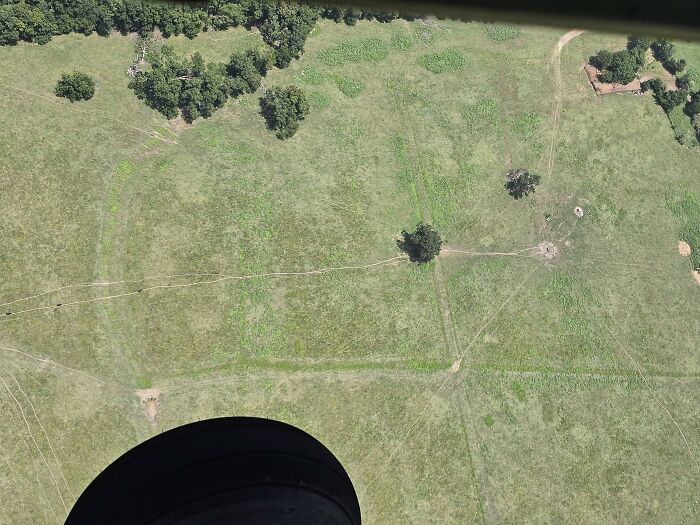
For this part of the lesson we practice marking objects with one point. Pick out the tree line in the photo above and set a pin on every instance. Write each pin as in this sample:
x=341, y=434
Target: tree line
x=284, y=26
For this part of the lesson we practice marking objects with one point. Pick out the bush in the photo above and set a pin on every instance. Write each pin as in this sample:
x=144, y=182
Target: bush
x=421, y=246
x=349, y=87
x=75, y=86
x=283, y=109
x=448, y=60
x=521, y=183
x=501, y=33
x=654, y=84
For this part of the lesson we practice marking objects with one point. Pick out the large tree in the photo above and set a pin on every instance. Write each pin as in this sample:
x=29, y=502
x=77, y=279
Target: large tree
x=283, y=109
x=521, y=182
x=75, y=86
x=422, y=245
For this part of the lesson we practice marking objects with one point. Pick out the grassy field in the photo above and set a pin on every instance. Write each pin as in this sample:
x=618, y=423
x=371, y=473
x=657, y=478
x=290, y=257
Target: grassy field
x=489, y=386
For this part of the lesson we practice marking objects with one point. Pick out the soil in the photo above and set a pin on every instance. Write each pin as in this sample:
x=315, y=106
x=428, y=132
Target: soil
x=150, y=402
x=547, y=250
x=696, y=276
x=684, y=248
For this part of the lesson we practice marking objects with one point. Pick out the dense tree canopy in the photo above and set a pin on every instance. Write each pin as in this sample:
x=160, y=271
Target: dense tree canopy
x=175, y=84
x=283, y=109
x=521, y=183
x=620, y=67
x=283, y=25
x=664, y=52
x=422, y=245
x=75, y=86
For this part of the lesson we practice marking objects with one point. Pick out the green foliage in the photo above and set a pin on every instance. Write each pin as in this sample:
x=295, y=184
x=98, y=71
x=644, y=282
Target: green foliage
x=246, y=69
x=653, y=84
x=501, y=32
x=482, y=115
x=520, y=183
x=310, y=75
x=75, y=86
x=664, y=52
x=670, y=99
x=527, y=124
x=283, y=109
x=319, y=100
x=621, y=67
x=421, y=246
x=368, y=50
x=402, y=41
x=351, y=88
x=174, y=84
x=448, y=60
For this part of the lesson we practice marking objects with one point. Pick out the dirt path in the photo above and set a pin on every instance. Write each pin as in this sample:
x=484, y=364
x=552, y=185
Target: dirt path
x=559, y=92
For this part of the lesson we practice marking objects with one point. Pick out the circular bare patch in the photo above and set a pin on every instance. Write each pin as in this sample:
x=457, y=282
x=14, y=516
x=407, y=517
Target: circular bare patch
x=567, y=243
x=684, y=248
x=547, y=250
x=578, y=211
x=150, y=402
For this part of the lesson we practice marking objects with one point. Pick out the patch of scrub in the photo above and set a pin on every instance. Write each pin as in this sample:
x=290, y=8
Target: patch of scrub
x=402, y=41
x=442, y=62
x=309, y=75
x=502, y=32
x=482, y=115
x=319, y=100
x=368, y=50
x=527, y=125
x=349, y=87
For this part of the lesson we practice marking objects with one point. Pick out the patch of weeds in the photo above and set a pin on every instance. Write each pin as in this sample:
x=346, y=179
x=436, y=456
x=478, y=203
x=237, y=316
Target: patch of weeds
x=347, y=135
x=527, y=124
x=501, y=32
x=369, y=50
x=310, y=75
x=349, y=87
x=319, y=101
x=402, y=41
x=488, y=420
x=519, y=391
x=481, y=115
x=400, y=145
x=425, y=366
x=686, y=207
x=142, y=383
x=448, y=60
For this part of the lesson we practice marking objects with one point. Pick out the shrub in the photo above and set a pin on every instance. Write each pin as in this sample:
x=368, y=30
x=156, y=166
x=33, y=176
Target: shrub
x=421, y=246
x=283, y=109
x=501, y=33
x=75, y=86
x=670, y=99
x=447, y=60
x=349, y=87
x=402, y=41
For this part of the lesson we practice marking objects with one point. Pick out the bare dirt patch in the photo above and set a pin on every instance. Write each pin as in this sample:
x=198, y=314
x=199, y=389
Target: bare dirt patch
x=178, y=125
x=150, y=402
x=696, y=276
x=547, y=250
x=684, y=248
